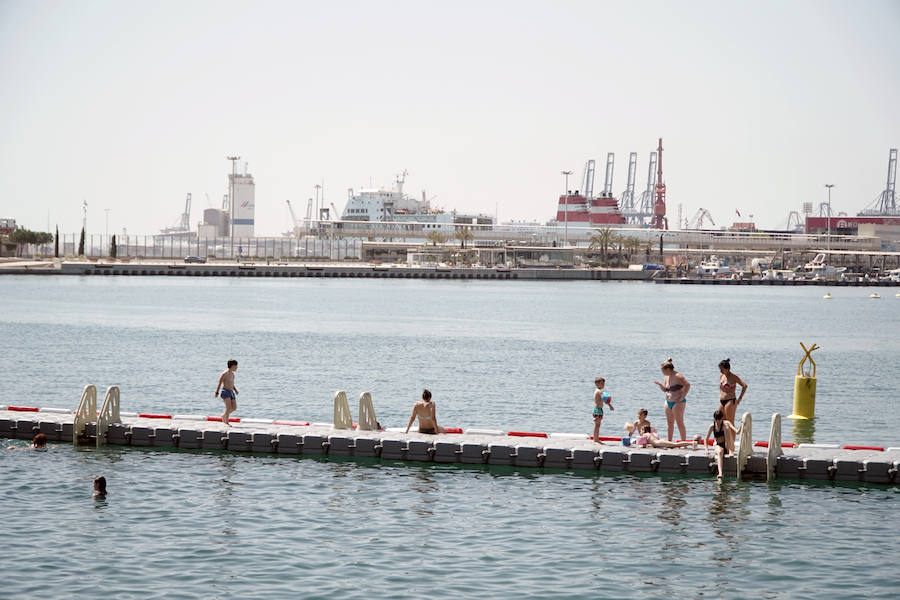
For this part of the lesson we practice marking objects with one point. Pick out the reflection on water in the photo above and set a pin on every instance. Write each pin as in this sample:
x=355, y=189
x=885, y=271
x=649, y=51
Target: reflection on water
x=423, y=483
x=804, y=431
x=224, y=499
x=727, y=513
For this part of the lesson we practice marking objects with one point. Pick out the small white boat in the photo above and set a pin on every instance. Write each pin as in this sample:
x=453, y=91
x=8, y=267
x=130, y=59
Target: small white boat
x=874, y=295
x=827, y=296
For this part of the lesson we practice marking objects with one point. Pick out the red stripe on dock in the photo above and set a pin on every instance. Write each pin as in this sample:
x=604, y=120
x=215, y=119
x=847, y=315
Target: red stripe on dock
x=219, y=419
x=153, y=416
x=606, y=438
x=526, y=434
x=295, y=423
x=23, y=408
x=878, y=448
x=766, y=444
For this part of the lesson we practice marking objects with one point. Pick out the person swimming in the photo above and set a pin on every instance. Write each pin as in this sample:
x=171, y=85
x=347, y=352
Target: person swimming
x=100, y=487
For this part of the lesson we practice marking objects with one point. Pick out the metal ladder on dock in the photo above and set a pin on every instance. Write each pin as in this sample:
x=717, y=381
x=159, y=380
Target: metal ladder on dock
x=86, y=414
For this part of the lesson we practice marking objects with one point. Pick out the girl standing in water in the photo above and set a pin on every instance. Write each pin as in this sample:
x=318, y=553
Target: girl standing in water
x=719, y=429
x=728, y=399
x=676, y=388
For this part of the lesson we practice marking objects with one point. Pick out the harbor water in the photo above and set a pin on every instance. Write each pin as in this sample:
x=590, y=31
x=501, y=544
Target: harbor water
x=506, y=355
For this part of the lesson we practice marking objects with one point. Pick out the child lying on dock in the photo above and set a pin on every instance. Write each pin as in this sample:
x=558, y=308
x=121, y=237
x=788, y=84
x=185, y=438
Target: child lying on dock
x=648, y=438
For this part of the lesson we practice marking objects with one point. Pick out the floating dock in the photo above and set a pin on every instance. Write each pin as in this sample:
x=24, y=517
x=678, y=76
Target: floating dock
x=533, y=450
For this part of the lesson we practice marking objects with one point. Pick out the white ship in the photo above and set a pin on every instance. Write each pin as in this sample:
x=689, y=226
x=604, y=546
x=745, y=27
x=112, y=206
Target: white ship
x=379, y=204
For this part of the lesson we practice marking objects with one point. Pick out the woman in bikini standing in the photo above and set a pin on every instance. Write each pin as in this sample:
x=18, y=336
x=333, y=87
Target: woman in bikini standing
x=728, y=400
x=676, y=388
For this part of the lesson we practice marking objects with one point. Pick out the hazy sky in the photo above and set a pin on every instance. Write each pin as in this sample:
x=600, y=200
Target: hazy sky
x=130, y=105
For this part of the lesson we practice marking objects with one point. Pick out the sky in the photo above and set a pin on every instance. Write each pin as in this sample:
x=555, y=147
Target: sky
x=128, y=106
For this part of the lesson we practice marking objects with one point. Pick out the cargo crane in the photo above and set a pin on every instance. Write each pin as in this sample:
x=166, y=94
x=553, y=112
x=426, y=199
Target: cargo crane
x=794, y=223
x=646, y=207
x=587, y=179
x=296, y=226
x=659, y=204
x=626, y=201
x=886, y=202
x=608, y=181
x=697, y=221
x=184, y=223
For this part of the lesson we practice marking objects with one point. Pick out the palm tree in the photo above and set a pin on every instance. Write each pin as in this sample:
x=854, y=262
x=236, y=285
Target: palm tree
x=435, y=237
x=463, y=234
x=632, y=245
x=600, y=241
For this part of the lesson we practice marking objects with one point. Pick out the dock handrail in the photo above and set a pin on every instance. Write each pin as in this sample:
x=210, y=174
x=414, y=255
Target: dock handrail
x=745, y=449
x=86, y=411
x=774, y=450
x=367, y=420
x=342, y=417
x=109, y=413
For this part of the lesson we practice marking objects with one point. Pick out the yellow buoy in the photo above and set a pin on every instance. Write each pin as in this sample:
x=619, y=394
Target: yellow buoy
x=805, y=388
x=827, y=296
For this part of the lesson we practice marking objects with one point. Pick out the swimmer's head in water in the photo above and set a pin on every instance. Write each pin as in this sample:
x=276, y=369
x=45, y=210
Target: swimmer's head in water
x=100, y=484
x=426, y=395
x=40, y=440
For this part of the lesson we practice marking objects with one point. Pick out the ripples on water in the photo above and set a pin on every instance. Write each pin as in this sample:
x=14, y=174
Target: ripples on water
x=200, y=524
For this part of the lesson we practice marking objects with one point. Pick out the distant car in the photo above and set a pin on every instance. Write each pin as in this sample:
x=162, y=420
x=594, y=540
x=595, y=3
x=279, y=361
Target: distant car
x=194, y=259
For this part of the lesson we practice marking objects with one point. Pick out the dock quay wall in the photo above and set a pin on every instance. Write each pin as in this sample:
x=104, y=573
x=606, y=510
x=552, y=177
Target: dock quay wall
x=363, y=271
x=567, y=451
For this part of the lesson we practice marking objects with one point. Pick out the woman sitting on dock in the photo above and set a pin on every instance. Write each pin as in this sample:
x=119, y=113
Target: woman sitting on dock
x=718, y=430
x=728, y=383
x=676, y=388
x=426, y=412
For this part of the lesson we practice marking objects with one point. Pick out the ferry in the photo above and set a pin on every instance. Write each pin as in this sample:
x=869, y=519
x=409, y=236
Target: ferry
x=393, y=205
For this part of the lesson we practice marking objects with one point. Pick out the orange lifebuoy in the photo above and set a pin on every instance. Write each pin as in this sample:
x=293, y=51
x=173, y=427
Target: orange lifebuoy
x=153, y=416
x=452, y=429
x=850, y=447
x=526, y=434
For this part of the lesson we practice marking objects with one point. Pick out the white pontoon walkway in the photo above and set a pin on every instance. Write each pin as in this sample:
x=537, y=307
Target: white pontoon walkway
x=768, y=460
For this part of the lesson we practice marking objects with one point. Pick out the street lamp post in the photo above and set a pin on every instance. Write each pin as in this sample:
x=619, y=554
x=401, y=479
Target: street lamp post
x=567, y=173
x=233, y=160
x=828, y=235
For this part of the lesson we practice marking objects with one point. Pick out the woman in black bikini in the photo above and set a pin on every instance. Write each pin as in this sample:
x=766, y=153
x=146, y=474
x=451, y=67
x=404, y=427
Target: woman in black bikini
x=720, y=429
x=728, y=383
x=676, y=388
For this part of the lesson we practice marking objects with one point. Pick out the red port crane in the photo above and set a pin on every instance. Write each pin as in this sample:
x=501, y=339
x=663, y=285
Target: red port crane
x=659, y=220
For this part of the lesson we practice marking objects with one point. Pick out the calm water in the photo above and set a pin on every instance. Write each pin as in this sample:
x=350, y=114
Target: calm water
x=509, y=355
